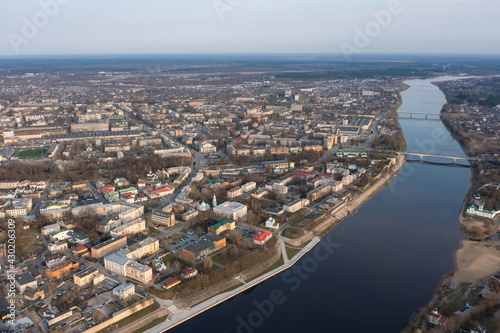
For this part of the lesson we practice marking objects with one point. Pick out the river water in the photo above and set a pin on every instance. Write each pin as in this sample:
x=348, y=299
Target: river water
x=386, y=260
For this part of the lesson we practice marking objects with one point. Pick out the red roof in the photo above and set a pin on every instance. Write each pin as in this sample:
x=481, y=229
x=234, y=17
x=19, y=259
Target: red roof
x=263, y=235
x=81, y=248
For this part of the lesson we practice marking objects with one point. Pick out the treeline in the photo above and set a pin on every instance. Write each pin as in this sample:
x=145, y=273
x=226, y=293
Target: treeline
x=23, y=171
x=392, y=142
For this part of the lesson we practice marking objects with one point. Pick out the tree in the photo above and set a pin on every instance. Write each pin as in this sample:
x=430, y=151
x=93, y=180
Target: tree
x=97, y=315
x=207, y=263
x=177, y=266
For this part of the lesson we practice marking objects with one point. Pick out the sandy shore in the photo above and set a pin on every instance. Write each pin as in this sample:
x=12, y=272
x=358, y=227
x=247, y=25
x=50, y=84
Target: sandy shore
x=475, y=261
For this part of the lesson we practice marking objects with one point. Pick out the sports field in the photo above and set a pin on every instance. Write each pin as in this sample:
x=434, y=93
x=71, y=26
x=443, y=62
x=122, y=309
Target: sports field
x=31, y=154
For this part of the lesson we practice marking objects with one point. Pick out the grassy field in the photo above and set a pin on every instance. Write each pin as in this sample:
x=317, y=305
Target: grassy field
x=29, y=154
x=291, y=252
x=27, y=242
x=221, y=260
x=293, y=233
x=277, y=264
x=163, y=294
x=152, y=324
x=169, y=259
x=130, y=319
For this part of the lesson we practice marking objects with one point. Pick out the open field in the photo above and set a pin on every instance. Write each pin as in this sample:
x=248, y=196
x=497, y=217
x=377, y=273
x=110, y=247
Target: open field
x=476, y=261
x=30, y=154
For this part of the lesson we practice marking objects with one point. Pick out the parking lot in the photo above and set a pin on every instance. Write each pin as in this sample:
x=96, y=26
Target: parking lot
x=189, y=238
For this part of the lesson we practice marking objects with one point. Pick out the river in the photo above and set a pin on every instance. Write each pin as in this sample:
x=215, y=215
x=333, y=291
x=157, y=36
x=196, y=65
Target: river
x=389, y=256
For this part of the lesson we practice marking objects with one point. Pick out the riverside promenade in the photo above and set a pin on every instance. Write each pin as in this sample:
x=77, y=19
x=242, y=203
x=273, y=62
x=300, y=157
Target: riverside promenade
x=178, y=316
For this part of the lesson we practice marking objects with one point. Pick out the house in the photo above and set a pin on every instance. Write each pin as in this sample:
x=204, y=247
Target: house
x=34, y=294
x=52, y=260
x=123, y=291
x=107, y=224
x=189, y=272
x=435, y=318
x=25, y=280
x=171, y=282
x=81, y=251
x=57, y=247
x=262, y=237
x=51, y=229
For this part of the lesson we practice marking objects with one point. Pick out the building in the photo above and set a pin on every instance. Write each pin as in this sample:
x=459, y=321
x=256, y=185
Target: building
x=319, y=192
x=222, y=226
x=163, y=218
x=143, y=248
x=81, y=251
x=25, y=280
x=207, y=148
x=119, y=264
x=231, y=210
x=138, y=272
x=51, y=229
x=159, y=193
x=435, y=318
x=111, y=245
x=247, y=187
x=9, y=184
x=61, y=270
x=346, y=180
x=57, y=247
x=489, y=214
x=189, y=272
x=262, y=237
x=207, y=245
x=283, y=165
x=295, y=205
x=19, y=207
x=85, y=277
x=55, y=259
x=123, y=291
x=108, y=224
x=171, y=282
x=271, y=223
x=330, y=141
x=234, y=192
x=129, y=228
x=131, y=213
x=34, y=294
x=89, y=127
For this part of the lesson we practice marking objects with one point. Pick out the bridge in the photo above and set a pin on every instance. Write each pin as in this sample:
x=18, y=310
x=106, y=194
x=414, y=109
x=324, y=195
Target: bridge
x=421, y=116
x=453, y=157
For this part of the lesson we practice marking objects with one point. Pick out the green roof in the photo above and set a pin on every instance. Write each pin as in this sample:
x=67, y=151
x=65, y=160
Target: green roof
x=221, y=223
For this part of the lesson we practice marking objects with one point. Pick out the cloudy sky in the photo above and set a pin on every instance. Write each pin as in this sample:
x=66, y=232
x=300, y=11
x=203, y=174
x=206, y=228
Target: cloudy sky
x=32, y=27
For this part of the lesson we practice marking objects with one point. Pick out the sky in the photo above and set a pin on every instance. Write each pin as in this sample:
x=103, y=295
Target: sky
x=68, y=27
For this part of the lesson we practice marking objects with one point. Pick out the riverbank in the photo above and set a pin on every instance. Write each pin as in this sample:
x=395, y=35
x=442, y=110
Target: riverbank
x=475, y=262
x=178, y=316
